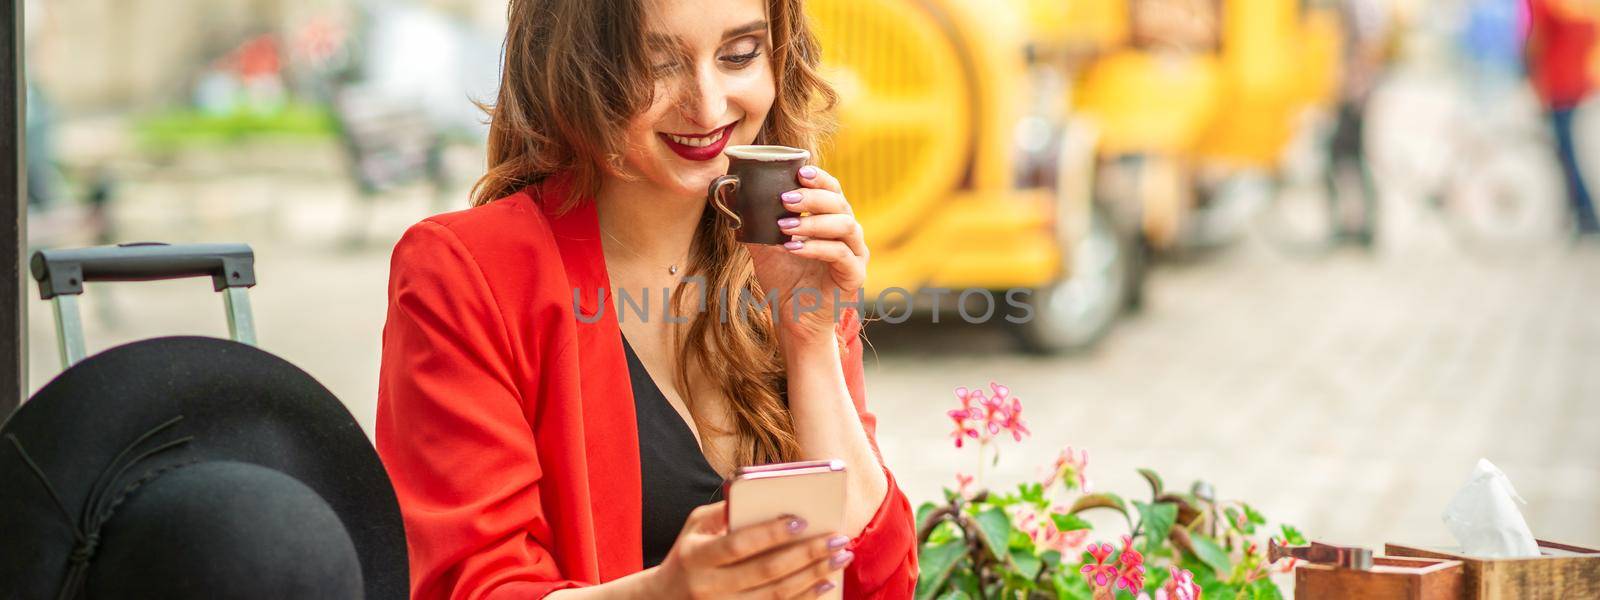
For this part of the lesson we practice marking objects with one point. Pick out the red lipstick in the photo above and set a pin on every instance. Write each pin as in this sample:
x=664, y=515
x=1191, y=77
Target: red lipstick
x=699, y=153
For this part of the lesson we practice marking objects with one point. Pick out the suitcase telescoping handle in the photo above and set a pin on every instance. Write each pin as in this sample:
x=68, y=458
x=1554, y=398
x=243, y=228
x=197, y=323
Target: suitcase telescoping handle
x=61, y=274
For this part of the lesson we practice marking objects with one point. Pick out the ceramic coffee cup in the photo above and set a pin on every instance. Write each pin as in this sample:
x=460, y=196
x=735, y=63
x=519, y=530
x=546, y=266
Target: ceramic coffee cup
x=749, y=195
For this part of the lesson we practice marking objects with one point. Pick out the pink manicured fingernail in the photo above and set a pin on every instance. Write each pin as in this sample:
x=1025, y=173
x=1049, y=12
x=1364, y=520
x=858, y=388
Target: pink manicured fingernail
x=824, y=587
x=808, y=171
x=797, y=525
x=794, y=244
x=792, y=197
x=788, y=223
x=842, y=558
x=837, y=542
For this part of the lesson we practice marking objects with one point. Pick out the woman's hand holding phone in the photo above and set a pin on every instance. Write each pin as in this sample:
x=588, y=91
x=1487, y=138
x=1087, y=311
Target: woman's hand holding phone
x=777, y=559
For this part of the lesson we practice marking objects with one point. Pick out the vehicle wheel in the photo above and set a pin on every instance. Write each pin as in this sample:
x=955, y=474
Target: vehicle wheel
x=1076, y=312
x=1507, y=205
x=1137, y=250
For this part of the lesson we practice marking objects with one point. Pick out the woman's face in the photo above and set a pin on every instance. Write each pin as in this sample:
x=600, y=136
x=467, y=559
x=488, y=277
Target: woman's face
x=714, y=90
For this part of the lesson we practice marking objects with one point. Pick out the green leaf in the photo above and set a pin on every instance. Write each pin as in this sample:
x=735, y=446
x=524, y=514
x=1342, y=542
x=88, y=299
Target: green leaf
x=1188, y=512
x=1253, y=516
x=1210, y=553
x=924, y=510
x=951, y=496
x=1292, y=536
x=1070, y=522
x=936, y=562
x=964, y=579
x=996, y=528
x=1265, y=589
x=1156, y=520
x=1020, y=540
x=1027, y=564
x=1227, y=591
x=1051, y=558
x=1155, y=481
x=955, y=595
x=1071, y=586
x=1243, y=526
x=1032, y=493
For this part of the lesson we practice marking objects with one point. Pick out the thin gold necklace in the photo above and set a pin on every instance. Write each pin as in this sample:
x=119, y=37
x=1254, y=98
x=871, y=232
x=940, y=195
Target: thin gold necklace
x=672, y=269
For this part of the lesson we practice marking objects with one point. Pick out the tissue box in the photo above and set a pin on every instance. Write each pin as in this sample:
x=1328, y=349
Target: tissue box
x=1562, y=571
x=1391, y=578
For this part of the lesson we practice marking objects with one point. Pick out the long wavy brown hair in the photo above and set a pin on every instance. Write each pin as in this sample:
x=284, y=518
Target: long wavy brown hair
x=574, y=73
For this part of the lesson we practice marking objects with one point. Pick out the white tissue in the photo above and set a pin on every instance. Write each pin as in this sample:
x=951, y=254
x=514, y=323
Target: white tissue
x=1485, y=519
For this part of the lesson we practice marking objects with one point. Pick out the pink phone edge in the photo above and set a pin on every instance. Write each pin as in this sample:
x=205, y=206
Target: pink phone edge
x=807, y=467
x=791, y=468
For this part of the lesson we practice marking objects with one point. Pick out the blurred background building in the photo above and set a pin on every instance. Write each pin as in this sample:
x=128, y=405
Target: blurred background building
x=1319, y=253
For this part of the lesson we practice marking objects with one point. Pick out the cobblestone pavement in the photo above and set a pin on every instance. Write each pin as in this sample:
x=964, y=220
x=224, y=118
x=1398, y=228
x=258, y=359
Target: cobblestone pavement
x=1350, y=394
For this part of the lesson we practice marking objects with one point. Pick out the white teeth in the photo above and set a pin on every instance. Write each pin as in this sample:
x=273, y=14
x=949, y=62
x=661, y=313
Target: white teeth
x=698, y=142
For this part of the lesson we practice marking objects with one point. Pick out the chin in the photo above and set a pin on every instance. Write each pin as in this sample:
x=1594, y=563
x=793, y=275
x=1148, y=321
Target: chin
x=691, y=179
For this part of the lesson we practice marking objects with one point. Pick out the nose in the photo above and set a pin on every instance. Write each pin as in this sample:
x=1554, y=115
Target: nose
x=705, y=100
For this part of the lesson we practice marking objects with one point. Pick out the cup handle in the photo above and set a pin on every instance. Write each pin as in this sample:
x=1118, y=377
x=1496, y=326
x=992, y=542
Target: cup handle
x=715, y=195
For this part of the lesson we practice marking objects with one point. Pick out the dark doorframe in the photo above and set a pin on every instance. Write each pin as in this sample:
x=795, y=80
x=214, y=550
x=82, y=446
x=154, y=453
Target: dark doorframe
x=13, y=214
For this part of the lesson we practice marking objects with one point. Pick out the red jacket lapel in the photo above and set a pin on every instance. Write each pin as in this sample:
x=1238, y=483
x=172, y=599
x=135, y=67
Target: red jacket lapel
x=611, y=435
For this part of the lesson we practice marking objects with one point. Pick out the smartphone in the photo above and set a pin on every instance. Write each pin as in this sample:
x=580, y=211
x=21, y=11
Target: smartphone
x=812, y=490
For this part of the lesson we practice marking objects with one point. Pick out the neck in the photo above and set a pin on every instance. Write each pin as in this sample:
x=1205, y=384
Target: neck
x=654, y=229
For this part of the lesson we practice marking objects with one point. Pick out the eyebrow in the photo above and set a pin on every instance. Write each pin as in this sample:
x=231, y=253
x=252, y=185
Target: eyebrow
x=747, y=28
x=667, y=41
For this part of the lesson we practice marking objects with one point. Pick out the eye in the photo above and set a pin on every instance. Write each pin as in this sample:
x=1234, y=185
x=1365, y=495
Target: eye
x=665, y=68
x=742, y=52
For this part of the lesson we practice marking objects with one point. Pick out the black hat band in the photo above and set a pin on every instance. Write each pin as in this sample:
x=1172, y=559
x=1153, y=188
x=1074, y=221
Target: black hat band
x=96, y=510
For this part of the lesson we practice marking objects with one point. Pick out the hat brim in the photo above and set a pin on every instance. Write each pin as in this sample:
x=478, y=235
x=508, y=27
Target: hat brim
x=238, y=402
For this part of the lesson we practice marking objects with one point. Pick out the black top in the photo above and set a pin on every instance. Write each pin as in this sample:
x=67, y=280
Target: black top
x=674, y=476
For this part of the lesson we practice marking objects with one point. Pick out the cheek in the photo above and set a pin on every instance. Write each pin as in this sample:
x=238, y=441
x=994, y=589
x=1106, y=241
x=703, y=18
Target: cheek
x=754, y=96
x=641, y=129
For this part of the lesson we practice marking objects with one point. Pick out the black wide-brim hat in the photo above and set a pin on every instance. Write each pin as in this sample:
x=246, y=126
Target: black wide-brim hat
x=130, y=416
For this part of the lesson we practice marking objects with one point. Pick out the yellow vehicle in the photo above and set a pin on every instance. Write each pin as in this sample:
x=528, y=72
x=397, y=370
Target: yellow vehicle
x=962, y=170
x=1189, y=92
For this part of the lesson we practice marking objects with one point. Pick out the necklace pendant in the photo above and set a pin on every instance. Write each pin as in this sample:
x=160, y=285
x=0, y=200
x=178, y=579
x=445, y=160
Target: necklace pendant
x=672, y=270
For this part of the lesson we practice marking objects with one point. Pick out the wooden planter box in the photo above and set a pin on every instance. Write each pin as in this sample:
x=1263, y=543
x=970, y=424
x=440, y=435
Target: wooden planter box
x=1562, y=572
x=1391, y=578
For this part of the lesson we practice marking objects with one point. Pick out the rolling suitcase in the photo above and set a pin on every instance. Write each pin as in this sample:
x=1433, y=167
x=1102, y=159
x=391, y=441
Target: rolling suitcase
x=62, y=273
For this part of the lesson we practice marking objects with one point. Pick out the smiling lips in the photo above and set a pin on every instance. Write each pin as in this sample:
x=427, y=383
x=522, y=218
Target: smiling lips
x=698, y=147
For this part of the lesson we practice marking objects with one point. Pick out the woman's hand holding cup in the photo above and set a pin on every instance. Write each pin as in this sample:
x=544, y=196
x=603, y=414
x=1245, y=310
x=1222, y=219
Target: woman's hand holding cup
x=800, y=231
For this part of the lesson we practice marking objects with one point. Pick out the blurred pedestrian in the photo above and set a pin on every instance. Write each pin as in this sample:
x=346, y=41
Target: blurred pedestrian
x=1561, y=39
x=1367, y=40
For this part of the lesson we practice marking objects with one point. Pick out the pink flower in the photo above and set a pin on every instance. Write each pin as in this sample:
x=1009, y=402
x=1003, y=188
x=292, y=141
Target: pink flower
x=1181, y=585
x=962, y=430
x=994, y=407
x=1099, y=574
x=1013, y=421
x=982, y=417
x=966, y=396
x=1288, y=565
x=1132, y=561
x=1069, y=469
x=1041, y=528
x=963, y=481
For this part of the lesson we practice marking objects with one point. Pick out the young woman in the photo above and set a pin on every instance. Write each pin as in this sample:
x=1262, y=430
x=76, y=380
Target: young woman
x=541, y=445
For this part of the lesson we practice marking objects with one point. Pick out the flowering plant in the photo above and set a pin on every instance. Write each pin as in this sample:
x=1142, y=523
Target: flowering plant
x=1033, y=543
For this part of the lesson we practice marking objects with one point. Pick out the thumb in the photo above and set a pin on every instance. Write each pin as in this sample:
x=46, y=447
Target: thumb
x=710, y=519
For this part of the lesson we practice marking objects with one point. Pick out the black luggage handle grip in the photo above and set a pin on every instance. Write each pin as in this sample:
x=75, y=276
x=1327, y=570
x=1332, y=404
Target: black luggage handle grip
x=64, y=271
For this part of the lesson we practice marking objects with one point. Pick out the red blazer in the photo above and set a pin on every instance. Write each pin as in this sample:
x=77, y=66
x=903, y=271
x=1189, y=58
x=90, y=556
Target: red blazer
x=507, y=424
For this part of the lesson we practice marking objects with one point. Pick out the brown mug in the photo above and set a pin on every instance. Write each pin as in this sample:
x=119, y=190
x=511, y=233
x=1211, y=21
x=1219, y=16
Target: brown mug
x=757, y=178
